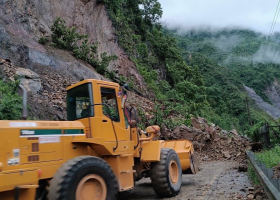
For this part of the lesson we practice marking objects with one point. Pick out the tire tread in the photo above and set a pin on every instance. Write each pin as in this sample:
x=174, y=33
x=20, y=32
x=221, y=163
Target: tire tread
x=58, y=187
x=159, y=178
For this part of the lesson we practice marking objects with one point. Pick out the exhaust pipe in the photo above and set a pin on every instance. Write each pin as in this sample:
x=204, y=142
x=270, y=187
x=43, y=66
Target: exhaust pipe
x=24, y=102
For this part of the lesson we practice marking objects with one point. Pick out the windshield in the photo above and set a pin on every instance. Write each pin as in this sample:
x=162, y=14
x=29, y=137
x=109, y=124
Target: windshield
x=109, y=98
x=79, y=102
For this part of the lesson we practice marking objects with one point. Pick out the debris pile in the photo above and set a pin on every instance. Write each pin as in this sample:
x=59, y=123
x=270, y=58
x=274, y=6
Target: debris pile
x=46, y=87
x=211, y=142
x=257, y=193
x=276, y=171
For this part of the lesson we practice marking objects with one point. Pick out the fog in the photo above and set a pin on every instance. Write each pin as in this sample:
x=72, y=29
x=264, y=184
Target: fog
x=217, y=14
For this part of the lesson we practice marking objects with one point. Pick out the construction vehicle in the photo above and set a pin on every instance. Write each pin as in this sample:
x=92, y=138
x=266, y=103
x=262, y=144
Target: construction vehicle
x=97, y=153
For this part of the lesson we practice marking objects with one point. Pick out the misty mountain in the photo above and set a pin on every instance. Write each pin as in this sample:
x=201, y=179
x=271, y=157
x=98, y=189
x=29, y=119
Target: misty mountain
x=228, y=59
x=231, y=47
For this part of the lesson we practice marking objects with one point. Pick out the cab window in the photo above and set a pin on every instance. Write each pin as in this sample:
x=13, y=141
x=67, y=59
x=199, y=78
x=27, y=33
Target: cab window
x=109, y=98
x=80, y=102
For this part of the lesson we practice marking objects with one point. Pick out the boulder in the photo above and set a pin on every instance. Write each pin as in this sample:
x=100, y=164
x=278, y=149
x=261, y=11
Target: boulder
x=233, y=131
x=29, y=79
x=200, y=123
x=184, y=132
x=226, y=154
x=250, y=196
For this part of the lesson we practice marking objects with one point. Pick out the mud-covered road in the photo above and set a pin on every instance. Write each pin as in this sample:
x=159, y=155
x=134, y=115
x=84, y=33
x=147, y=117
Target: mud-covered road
x=215, y=181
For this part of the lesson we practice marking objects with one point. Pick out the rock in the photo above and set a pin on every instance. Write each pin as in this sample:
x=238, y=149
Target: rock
x=233, y=131
x=226, y=154
x=217, y=139
x=42, y=28
x=257, y=146
x=258, y=197
x=199, y=123
x=224, y=132
x=2, y=61
x=197, y=146
x=250, y=196
x=251, y=188
x=184, y=132
x=211, y=131
x=29, y=79
x=242, y=167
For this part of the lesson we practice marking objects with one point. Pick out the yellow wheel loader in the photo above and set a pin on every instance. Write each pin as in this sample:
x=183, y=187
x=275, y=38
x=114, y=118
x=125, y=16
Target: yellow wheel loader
x=97, y=153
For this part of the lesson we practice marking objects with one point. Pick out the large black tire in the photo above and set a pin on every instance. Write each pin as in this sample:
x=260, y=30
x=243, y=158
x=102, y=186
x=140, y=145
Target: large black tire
x=160, y=174
x=64, y=184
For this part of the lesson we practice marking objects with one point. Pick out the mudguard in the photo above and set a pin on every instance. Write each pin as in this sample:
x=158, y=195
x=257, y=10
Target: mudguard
x=151, y=151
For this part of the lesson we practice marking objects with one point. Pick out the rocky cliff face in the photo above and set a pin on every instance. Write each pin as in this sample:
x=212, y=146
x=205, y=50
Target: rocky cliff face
x=23, y=22
x=272, y=110
x=273, y=93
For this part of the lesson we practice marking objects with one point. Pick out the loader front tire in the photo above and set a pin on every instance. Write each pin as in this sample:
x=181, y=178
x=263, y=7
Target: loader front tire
x=83, y=178
x=166, y=174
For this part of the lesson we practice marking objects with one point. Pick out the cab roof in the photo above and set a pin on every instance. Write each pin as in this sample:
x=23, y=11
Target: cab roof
x=93, y=81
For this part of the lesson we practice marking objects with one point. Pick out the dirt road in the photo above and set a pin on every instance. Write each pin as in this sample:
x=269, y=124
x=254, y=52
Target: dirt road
x=215, y=181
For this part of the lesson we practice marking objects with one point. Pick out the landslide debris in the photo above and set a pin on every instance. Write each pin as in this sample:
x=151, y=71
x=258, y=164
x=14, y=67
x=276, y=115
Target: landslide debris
x=211, y=142
x=46, y=91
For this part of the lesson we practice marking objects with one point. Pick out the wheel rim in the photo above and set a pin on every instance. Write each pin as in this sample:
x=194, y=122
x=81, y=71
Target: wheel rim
x=91, y=187
x=173, y=172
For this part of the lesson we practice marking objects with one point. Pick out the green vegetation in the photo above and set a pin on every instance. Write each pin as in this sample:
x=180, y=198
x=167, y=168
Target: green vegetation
x=43, y=40
x=68, y=38
x=224, y=59
x=195, y=73
x=258, y=76
x=158, y=59
x=270, y=157
x=227, y=47
x=252, y=175
x=10, y=101
x=234, y=50
x=190, y=73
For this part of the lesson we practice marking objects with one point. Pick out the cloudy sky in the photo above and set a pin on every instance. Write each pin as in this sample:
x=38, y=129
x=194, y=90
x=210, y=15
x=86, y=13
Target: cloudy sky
x=187, y=14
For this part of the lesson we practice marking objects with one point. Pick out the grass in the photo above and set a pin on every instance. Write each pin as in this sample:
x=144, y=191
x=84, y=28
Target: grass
x=270, y=157
x=252, y=175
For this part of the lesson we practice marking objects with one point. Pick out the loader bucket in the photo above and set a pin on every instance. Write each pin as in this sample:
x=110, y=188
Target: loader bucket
x=185, y=151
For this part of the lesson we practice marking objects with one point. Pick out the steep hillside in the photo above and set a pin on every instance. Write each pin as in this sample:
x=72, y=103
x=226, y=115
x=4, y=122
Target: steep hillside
x=144, y=47
x=252, y=56
x=23, y=22
x=242, y=57
x=179, y=75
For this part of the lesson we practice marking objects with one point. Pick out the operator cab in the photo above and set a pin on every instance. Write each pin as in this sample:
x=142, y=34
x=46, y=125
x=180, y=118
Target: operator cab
x=99, y=105
x=79, y=102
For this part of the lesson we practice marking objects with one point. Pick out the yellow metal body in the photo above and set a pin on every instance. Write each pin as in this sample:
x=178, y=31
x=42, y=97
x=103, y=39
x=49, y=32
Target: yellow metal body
x=31, y=151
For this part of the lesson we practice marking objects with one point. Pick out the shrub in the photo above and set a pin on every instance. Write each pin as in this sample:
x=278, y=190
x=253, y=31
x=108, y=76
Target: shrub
x=10, y=101
x=43, y=40
x=67, y=38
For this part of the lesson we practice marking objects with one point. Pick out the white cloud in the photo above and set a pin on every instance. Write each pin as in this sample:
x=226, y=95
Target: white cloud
x=189, y=14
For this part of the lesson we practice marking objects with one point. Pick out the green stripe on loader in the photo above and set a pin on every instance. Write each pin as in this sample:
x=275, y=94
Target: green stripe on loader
x=74, y=131
x=38, y=132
